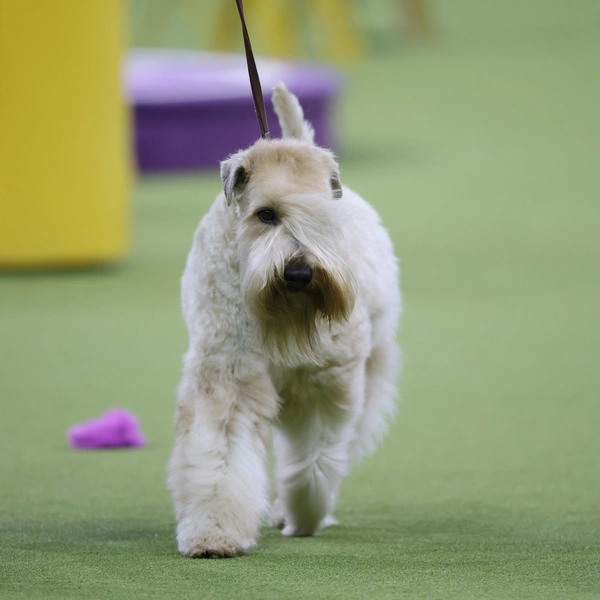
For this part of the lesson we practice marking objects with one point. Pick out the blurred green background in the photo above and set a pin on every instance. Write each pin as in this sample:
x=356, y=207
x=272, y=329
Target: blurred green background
x=480, y=150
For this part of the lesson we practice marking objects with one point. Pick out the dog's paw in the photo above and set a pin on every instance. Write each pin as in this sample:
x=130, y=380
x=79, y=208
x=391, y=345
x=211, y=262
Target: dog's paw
x=277, y=517
x=212, y=546
x=278, y=521
x=296, y=530
x=291, y=530
x=328, y=521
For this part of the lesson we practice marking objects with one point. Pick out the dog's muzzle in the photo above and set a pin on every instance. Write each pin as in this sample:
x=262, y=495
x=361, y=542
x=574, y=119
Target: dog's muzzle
x=297, y=277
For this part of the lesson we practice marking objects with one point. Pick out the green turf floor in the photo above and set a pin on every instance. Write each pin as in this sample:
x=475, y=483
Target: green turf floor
x=481, y=152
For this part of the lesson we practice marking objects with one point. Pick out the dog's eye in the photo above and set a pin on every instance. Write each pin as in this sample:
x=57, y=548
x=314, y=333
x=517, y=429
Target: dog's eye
x=266, y=215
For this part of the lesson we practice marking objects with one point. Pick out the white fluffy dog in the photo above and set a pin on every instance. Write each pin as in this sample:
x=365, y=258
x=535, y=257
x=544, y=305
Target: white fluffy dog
x=291, y=298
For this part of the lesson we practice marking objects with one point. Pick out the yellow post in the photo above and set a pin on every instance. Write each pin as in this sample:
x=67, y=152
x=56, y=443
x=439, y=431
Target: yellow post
x=338, y=36
x=64, y=133
x=272, y=24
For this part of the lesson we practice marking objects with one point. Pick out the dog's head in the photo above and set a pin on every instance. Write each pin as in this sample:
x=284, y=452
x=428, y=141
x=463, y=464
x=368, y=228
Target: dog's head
x=292, y=252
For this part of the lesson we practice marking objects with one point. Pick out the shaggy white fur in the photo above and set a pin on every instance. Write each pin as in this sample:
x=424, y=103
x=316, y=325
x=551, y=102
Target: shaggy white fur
x=291, y=298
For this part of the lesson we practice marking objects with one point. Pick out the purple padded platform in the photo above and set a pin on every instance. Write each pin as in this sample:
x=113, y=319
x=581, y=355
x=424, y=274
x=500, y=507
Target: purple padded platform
x=193, y=109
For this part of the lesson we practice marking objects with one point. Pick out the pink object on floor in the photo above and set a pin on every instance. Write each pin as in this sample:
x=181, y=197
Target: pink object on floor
x=116, y=428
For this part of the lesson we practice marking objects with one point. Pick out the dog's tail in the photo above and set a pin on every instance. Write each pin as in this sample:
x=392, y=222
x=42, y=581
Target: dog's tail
x=291, y=115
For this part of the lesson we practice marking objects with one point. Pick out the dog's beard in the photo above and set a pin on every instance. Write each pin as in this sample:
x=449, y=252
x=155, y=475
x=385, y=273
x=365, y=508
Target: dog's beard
x=289, y=322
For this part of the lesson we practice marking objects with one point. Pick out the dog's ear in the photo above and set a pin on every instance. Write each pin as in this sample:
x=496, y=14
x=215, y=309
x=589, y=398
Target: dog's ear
x=235, y=177
x=336, y=185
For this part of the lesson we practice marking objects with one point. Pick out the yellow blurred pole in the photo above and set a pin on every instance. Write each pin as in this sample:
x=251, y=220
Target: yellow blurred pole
x=226, y=34
x=417, y=18
x=272, y=23
x=64, y=149
x=275, y=25
x=339, y=37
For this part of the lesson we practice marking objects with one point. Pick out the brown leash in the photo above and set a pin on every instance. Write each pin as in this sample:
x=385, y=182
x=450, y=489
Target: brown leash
x=257, y=95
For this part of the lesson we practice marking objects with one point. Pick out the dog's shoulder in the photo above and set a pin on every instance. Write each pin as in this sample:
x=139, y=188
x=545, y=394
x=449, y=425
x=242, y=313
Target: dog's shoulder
x=374, y=262
x=211, y=274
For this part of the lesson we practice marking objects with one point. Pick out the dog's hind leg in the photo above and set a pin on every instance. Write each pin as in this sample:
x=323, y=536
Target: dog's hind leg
x=380, y=398
x=217, y=471
x=312, y=446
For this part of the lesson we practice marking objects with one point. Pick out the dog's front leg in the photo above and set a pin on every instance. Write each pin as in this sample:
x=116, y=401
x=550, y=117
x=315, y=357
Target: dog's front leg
x=313, y=439
x=217, y=471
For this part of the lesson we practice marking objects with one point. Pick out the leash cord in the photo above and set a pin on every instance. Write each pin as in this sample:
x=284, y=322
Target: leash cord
x=257, y=95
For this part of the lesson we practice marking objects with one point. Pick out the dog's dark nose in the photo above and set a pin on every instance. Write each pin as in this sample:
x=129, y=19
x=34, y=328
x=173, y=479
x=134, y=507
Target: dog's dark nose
x=297, y=277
